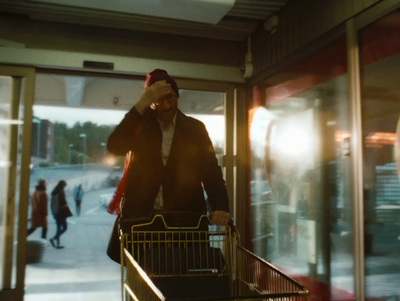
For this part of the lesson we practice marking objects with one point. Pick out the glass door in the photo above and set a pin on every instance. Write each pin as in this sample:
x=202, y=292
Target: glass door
x=16, y=95
x=300, y=189
x=380, y=111
x=73, y=115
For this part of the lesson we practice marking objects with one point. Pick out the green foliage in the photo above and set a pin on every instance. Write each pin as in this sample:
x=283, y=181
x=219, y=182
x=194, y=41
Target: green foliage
x=95, y=136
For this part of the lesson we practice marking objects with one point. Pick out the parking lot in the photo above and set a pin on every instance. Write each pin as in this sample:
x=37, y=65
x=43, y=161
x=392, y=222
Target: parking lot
x=82, y=270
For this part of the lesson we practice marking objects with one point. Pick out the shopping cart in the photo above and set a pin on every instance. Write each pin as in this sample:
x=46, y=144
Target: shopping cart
x=199, y=262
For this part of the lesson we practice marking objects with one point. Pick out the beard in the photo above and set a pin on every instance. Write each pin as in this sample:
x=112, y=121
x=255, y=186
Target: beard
x=167, y=115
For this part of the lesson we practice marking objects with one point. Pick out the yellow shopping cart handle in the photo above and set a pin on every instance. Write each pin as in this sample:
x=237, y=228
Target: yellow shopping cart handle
x=170, y=221
x=174, y=220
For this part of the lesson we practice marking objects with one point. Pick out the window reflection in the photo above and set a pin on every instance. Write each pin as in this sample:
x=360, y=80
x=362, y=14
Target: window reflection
x=380, y=59
x=300, y=175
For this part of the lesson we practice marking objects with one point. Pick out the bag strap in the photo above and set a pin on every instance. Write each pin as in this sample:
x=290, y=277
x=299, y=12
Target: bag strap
x=114, y=206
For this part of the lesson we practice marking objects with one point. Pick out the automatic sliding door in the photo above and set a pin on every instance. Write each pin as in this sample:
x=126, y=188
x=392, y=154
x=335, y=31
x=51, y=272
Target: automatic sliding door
x=16, y=90
x=73, y=117
x=300, y=174
x=380, y=99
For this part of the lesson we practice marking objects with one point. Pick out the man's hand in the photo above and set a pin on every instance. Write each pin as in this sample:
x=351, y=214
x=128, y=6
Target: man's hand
x=220, y=217
x=152, y=94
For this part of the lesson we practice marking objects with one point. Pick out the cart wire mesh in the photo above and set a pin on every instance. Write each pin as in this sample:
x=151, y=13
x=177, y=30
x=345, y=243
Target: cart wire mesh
x=190, y=263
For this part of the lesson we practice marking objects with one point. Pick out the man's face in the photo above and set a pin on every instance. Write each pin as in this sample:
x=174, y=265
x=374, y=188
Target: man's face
x=166, y=107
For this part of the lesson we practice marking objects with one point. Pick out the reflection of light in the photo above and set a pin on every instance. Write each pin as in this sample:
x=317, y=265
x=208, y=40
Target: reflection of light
x=341, y=135
x=293, y=141
x=261, y=118
x=110, y=161
x=5, y=164
x=379, y=139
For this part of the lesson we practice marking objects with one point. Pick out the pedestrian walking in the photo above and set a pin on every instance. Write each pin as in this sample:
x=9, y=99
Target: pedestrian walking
x=39, y=209
x=78, y=195
x=58, y=202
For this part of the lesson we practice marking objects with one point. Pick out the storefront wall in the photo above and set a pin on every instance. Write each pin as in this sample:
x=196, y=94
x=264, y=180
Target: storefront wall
x=303, y=205
x=289, y=33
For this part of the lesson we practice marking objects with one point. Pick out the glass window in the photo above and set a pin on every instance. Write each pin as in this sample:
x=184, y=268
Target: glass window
x=73, y=117
x=380, y=94
x=12, y=99
x=5, y=163
x=300, y=174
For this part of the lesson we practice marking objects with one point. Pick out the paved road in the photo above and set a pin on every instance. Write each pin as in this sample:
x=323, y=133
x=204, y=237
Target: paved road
x=82, y=270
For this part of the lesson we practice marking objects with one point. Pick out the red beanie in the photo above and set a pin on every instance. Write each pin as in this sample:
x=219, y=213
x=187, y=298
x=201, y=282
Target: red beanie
x=159, y=74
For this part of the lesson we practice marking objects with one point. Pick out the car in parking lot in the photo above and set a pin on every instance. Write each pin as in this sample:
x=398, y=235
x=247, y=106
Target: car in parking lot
x=115, y=176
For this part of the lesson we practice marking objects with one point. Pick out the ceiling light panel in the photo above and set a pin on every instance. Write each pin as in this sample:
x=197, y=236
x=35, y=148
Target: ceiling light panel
x=202, y=11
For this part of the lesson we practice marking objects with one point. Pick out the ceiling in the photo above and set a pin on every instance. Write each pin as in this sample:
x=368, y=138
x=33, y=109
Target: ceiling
x=56, y=90
x=236, y=25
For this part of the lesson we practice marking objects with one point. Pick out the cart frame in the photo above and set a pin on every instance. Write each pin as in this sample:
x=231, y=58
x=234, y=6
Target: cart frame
x=153, y=256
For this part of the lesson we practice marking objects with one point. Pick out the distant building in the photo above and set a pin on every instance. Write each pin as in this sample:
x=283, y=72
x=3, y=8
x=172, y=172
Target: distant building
x=42, y=140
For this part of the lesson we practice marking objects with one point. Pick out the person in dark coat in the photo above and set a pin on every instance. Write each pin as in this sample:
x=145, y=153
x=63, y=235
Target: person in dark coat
x=172, y=156
x=58, y=201
x=39, y=209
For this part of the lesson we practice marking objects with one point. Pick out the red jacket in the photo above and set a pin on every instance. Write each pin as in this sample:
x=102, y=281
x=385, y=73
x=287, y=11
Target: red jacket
x=39, y=209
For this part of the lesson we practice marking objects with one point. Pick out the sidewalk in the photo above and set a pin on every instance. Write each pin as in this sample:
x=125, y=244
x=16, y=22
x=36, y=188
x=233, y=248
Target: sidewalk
x=82, y=270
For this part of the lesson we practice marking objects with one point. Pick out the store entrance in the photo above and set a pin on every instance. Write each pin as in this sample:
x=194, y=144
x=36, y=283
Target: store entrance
x=73, y=116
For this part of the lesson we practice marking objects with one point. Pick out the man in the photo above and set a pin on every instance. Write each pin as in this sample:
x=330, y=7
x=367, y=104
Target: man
x=172, y=157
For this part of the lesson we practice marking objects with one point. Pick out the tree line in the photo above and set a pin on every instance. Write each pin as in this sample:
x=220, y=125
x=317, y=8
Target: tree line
x=69, y=145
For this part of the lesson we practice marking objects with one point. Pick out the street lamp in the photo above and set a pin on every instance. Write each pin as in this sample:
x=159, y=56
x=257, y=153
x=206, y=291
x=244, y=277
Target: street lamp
x=84, y=147
x=69, y=153
x=103, y=144
x=38, y=134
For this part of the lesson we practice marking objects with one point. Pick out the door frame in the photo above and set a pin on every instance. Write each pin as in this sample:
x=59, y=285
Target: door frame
x=234, y=158
x=17, y=292
x=354, y=26
x=236, y=137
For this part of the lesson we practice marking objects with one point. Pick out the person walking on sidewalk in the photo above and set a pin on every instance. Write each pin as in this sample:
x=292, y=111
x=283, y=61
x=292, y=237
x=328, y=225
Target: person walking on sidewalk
x=78, y=199
x=58, y=201
x=39, y=209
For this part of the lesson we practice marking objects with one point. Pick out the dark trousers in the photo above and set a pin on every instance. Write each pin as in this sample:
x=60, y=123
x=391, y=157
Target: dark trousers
x=61, y=222
x=78, y=207
x=44, y=231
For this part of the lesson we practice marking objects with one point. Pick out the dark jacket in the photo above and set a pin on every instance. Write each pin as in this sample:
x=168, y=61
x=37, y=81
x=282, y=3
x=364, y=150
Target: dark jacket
x=191, y=162
x=58, y=201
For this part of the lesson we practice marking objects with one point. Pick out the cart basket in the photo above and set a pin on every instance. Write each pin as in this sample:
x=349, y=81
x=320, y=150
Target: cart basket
x=195, y=263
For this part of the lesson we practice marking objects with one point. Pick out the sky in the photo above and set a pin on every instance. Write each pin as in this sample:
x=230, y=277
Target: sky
x=72, y=115
x=214, y=124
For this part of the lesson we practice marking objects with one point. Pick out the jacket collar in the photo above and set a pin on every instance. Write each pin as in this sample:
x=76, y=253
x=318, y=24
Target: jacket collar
x=181, y=120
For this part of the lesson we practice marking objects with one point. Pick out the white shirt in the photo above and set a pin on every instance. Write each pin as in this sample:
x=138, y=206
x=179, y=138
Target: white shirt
x=167, y=136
